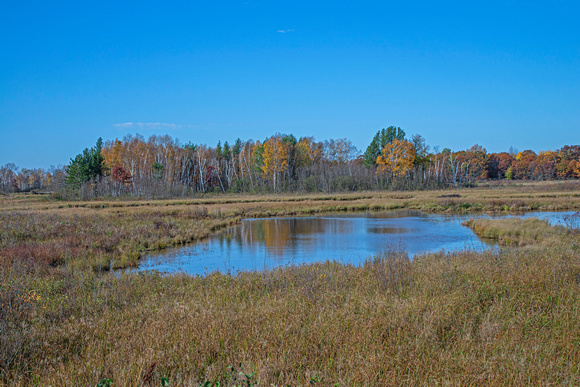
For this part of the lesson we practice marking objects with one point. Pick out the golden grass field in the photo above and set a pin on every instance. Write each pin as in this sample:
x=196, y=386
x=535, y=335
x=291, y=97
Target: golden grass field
x=67, y=317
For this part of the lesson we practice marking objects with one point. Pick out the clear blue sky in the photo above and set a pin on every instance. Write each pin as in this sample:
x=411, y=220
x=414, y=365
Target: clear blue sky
x=496, y=73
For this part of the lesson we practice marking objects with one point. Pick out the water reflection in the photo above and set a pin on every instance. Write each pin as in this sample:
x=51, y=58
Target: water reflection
x=387, y=230
x=279, y=235
x=258, y=244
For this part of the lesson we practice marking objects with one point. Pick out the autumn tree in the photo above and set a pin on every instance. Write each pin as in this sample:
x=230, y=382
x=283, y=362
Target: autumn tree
x=545, y=166
x=396, y=158
x=112, y=153
x=566, y=161
x=475, y=163
x=524, y=164
x=381, y=139
x=498, y=165
x=275, y=158
x=309, y=151
x=576, y=168
x=122, y=177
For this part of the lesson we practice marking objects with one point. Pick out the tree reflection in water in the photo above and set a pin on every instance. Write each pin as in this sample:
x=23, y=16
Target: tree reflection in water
x=258, y=244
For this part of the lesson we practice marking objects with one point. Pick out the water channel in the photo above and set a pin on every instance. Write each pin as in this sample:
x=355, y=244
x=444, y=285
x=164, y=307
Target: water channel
x=258, y=244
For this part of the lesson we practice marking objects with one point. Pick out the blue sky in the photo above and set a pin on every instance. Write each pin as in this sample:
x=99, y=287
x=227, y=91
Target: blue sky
x=496, y=73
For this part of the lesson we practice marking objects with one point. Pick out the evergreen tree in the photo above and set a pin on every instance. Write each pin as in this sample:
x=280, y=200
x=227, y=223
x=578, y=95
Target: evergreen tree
x=157, y=170
x=382, y=138
x=289, y=139
x=190, y=147
x=226, y=151
x=237, y=148
x=258, y=157
x=86, y=165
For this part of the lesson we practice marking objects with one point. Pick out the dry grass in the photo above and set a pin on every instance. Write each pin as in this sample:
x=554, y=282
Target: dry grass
x=518, y=232
x=509, y=317
x=460, y=319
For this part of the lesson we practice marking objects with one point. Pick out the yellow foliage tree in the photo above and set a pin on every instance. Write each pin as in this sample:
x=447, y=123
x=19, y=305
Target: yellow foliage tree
x=397, y=158
x=309, y=151
x=112, y=152
x=576, y=168
x=275, y=158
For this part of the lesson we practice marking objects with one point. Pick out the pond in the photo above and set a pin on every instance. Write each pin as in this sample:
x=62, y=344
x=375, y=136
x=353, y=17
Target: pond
x=259, y=244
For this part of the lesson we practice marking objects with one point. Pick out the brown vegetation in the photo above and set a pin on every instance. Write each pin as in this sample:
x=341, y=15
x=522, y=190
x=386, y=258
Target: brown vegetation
x=465, y=318
x=517, y=232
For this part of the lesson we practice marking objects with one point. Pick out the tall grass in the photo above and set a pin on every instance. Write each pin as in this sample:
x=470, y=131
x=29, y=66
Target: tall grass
x=518, y=232
x=504, y=317
x=466, y=318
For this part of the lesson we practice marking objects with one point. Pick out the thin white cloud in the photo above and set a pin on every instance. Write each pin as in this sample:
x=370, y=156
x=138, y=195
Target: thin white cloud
x=285, y=31
x=148, y=125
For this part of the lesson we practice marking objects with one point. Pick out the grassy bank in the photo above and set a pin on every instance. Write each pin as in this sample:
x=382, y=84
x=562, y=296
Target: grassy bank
x=508, y=317
x=517, y=232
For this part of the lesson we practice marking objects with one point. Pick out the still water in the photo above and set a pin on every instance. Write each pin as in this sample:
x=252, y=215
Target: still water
x=258, y=244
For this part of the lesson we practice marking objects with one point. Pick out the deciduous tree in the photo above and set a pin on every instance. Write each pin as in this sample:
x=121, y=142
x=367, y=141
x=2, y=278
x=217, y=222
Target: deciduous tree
x=275, y=158
x=397, y=158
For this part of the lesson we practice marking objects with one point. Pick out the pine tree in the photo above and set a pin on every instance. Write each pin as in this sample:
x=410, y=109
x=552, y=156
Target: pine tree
x=237, y=148
x=218, y=149
x=86, y=166
x=226, y=151
x=382, y=138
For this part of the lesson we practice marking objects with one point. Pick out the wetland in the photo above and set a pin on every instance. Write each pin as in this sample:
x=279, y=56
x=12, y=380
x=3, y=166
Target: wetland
x=348, y=238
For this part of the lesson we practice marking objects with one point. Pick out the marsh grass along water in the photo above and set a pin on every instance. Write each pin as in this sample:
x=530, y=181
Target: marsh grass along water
x=258, y=244
x=491, y=317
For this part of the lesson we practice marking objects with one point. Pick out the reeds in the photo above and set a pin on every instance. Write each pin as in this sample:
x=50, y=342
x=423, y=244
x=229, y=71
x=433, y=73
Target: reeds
x=503, y=317
x=460, y=318
x=518, y=232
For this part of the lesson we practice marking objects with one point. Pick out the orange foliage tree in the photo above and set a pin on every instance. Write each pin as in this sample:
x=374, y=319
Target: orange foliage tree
x=576, y=167
x=397, y=158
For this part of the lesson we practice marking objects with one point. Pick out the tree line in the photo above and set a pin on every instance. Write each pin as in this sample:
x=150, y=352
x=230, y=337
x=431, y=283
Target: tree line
x=161, y=166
